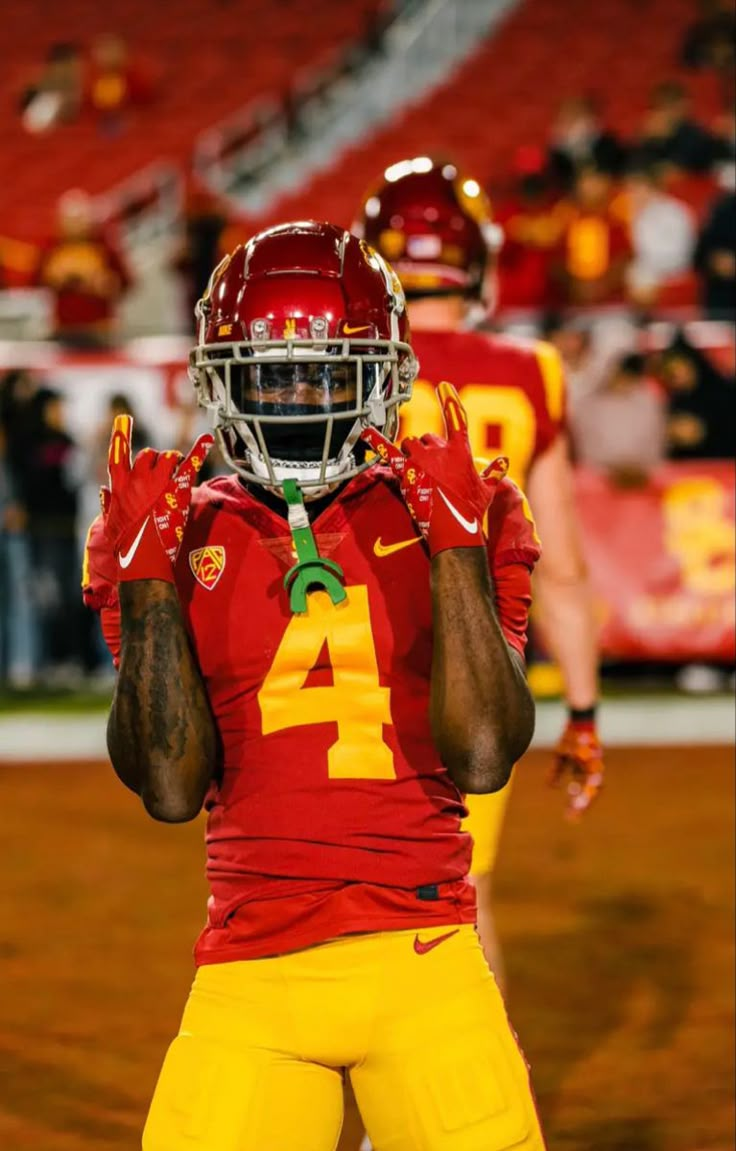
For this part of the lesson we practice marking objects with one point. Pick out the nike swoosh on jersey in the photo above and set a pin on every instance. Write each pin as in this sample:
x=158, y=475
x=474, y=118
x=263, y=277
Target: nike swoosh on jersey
x=469, y=525
x=348, y=331
x=422, y=946
x=127, y=559
x=382, y=549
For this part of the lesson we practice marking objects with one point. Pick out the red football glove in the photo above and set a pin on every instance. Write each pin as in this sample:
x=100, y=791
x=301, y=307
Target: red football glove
x=445, y=494
x=580, y=754
x=99, y=585
x=146, y=507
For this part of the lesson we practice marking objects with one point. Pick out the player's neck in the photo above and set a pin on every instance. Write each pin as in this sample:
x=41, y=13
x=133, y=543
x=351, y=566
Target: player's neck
x=437, y=313
x=278, y=505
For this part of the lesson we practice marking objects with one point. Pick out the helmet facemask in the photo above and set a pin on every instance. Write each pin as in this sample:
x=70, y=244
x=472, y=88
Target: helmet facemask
x=294, y=408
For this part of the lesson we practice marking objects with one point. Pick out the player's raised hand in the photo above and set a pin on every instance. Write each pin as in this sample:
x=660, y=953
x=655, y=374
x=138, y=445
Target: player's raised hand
x=146, y=507
x=444, y=492
x=100, y=584
x=171, y=514
x=579, y=759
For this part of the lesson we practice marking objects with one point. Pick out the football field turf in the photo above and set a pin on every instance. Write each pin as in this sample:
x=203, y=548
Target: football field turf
x=618, y=934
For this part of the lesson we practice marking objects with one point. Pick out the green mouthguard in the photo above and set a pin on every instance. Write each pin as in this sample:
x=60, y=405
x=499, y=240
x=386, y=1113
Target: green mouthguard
x=310, y=571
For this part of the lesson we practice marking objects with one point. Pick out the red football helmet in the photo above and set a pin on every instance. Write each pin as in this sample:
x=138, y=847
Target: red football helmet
x=434, y=224
x=303, y=340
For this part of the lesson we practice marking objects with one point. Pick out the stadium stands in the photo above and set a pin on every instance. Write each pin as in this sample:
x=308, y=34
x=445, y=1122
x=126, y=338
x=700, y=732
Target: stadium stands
x=207, y=59
x=508, y=92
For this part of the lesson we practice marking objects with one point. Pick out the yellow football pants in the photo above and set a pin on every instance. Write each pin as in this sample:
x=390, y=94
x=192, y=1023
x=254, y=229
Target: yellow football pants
x=485, y=822
x=259, y=1061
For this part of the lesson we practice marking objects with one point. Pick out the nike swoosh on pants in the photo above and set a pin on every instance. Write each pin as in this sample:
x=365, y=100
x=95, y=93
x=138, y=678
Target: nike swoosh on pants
x=422, y=946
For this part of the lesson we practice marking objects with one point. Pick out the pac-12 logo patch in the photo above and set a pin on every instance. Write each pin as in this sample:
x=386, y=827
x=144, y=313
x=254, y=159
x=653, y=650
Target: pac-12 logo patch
x=207, y=565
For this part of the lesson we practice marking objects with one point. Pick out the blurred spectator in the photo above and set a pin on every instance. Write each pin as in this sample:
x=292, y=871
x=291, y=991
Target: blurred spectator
x=205, y=220
x=18, y=663
x=17, y=391
x=669, y=136
x=663, y=234
x=715, y=258
x=578, y=138
x=590, y=349
x=51, y=484
x=701, y=405
x=115, y=84
x=620, y=427
x=532, y=220
x=572, y=337
x=709, y=42
x=12, y=525
x=55, y=96
x=86, y=273
x=595, y=249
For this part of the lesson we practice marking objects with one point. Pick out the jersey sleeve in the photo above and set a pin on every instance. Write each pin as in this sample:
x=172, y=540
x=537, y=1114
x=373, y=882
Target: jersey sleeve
x=99, y=585
x=513, y=551
x=513, y=594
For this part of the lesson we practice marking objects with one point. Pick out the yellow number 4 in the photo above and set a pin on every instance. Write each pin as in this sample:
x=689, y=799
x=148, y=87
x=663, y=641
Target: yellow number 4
x=356, y=702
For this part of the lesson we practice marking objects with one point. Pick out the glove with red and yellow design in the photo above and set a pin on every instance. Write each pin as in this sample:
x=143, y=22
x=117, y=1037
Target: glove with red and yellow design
x=146, y=507
x=579, y=755
x=100, y=585
x=445, y=494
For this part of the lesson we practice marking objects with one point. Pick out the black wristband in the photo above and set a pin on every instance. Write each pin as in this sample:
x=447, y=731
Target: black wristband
x=582, y=714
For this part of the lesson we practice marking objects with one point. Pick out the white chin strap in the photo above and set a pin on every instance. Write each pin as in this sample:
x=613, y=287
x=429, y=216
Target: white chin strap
x=304, y=473
x=308, y=474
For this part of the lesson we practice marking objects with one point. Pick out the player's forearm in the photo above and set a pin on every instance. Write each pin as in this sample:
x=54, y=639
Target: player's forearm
x=160, y=733
x=569, y=629
x=481, y=710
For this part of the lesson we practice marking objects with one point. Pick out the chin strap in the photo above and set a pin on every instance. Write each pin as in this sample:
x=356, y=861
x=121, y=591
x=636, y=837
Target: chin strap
x=311, y=570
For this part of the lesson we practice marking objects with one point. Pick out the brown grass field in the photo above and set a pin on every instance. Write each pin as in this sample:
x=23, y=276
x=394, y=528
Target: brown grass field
x=619, y=940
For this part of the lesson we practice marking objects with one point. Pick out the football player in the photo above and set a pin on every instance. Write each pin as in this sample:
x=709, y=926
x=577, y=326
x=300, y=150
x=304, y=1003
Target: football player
x=324, y=650
x=433, y=223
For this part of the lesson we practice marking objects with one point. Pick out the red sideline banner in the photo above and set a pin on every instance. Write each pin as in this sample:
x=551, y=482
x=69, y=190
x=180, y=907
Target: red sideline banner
x=662, y=562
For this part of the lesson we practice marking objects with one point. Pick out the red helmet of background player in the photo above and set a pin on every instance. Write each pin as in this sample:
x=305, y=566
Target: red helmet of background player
x=303, y=340
x=434, y=224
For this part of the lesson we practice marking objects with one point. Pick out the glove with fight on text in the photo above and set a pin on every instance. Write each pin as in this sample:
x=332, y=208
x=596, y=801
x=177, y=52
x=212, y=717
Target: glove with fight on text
x=146, y=507
x=446, y=495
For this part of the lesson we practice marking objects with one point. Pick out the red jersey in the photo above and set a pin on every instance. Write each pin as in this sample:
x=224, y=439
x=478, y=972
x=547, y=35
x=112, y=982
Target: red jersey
x=331, y=812
x=513, y=392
